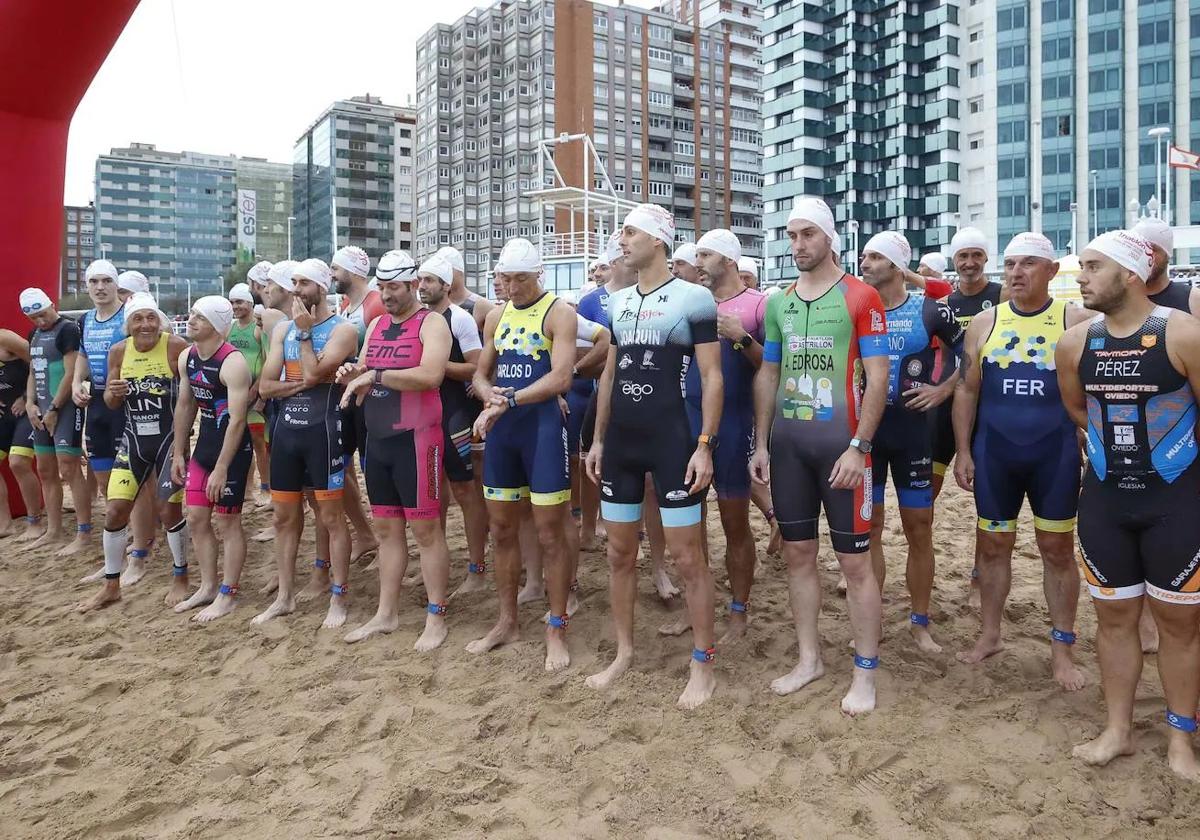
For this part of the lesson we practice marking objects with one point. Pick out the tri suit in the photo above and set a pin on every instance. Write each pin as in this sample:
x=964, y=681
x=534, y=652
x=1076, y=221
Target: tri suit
x=103, y=426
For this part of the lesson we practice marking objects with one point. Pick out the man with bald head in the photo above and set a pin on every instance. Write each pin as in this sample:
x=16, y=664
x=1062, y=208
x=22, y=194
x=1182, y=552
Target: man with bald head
x=1015, y=440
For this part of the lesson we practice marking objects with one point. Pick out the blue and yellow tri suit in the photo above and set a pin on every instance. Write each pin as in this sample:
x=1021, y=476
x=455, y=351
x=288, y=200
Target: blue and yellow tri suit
x=525, y=454
x=1025, y=442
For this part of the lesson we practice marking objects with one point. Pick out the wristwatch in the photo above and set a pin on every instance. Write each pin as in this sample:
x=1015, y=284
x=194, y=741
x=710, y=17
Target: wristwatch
x=743, y=342
x=304, y=335
x=707, y=440
x=512, y=400
x=863, y=446
x=379, y=376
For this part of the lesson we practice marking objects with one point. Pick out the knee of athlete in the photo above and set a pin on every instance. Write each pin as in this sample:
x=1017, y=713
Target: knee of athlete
x=550, y=536
x=229, y=523
x=690, y=562
x=116, y=514
x=333, y=517
x=994, y=548
x=425, y=532
x=857, y=569
x=286, y=516
x=199, y=521
x=918, y=527
x=1058, y=550
x=47, y=468
x=504, y=529
x=801, y=555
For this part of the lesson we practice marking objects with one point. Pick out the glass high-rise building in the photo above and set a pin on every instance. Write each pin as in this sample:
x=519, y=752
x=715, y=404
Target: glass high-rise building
x=352, y=180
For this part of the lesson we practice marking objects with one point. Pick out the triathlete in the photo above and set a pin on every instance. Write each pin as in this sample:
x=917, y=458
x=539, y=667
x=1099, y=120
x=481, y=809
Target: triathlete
x=258, y=276
x=360, y=305
x=1130, y=379
x=528, y=353
x=214, y=383
x=594, y=307
x=813, y=441
x=476, y=305
x=748, y=272
x=1181, y=296
x=660, y=325
x=14, y=375
x=459, y=411
x=740, y=312
x=247, y=336
x=396, y=381
x=1163, y=292
x=57, y=423
x=684, y=263
x=130, y=283
x=933, y=265
x=921, y=337
x=306, y=439
x=142, y=383
x=1015, y=439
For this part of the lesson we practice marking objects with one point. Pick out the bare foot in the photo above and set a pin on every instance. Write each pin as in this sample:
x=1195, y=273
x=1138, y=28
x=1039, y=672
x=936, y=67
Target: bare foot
x=32, y=530
x=265, y=535
x=663, y=586
x=336, y=616
x=735, y=629
x=471, y=583
x=798, y=677
x=558, y=656
x=80, y=546
x=271, y=585
x=924, y=640
x=177, y=591
x=677, y=627
x=531, y=592
x=277, y=608
x=502, y=634
x=434, y=635
x=201, y=598
x=360, y=548
x=94, y=577
x=1066, y=673
x=983, y=649
x=610, y=674
x=775, y=544
x=222, y=606
x=378, y=624
x=318, y=585
x=1110, y=744
x=109, y=593
x=135, y=570
x=860, y=699
x=1181, y=758
x=11, y=529
x=48, y=538
x=700, y=686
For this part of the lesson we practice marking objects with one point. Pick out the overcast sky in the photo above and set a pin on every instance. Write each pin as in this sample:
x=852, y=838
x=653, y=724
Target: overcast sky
x=246, y=77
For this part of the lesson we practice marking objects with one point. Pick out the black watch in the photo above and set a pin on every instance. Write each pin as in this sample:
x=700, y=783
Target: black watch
x=863, y=446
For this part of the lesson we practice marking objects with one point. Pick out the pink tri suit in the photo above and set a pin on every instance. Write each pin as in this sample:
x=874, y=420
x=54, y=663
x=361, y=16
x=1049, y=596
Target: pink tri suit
x=212, y=398
x=404, y=428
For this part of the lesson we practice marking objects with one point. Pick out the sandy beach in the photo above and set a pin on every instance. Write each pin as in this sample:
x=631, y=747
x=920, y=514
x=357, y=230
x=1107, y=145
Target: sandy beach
x=138, y=723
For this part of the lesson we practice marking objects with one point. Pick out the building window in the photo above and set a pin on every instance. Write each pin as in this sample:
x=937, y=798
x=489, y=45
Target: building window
x=975, y=105
x=1007, y=19
x=975, y=69
x=1106, y=40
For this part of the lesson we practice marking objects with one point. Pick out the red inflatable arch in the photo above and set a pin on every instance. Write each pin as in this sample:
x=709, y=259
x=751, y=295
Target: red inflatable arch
x=51, y=51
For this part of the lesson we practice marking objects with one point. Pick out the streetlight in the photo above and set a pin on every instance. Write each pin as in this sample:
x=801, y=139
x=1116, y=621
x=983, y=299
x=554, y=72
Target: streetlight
x=189, y=294
x=290, y=220
x=854, y=246
x=1163, y=132
x=1095, y=174
x=1074, y=229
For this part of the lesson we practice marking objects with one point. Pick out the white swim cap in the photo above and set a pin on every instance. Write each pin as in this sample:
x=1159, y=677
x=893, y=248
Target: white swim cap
x=353, y=259
x=439, y=267
x=1157, y=232
x=133, y=281
x=396, y=265
x=101, y=268
x=1029, y=244
x=935, y=262
x=892, y=245
x=34, y=300
x=654, y=220
x=240, y=292
x=143, y=302
x=315, y=270
x=1126, y=249
x=612, y=250
x=518, y=255
x=259, y=272
x=281, y=275
x=217, y=311
x=748, y=265
x=723, y=242
x=685, y=253
x=451, y=255
x=968, y=237
x=259, y=309
x=815, y=211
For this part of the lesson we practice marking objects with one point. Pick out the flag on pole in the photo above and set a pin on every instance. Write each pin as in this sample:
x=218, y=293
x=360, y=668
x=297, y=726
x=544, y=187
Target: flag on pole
x=1182, y=158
